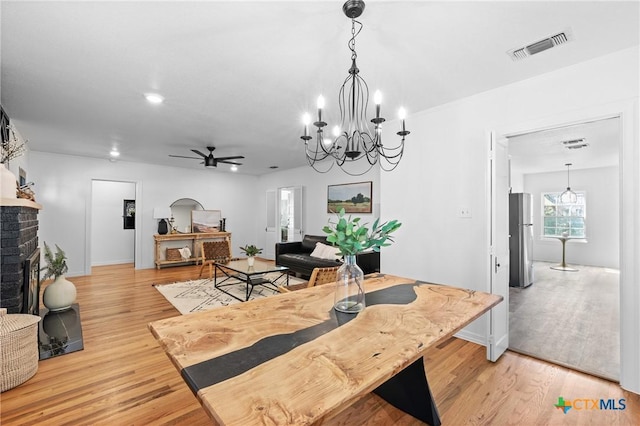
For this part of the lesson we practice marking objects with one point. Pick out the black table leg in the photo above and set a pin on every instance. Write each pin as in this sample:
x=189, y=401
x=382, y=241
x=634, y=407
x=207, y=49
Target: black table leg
x=409, y=391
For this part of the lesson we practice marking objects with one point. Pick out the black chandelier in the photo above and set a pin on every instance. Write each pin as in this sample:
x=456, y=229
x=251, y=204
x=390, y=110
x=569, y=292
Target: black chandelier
x=354, y=138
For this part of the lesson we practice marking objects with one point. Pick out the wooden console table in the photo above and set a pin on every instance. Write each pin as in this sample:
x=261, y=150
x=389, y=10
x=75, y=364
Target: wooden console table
x=291, y=359
x=181, y=240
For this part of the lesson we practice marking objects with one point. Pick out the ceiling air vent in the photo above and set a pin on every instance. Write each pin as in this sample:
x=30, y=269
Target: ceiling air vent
x=578, y=146
x=573, y=141
x=575, y=144
x=541, y=45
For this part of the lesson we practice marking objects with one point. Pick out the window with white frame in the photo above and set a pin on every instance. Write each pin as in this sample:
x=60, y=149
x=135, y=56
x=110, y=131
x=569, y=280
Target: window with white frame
x=559, y=217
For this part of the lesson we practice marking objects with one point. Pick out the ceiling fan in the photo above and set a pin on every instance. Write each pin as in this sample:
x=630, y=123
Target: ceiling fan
x=210, y=160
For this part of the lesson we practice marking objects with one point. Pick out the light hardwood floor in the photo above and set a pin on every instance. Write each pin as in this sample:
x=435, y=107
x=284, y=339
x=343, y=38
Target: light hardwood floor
x=122, y=377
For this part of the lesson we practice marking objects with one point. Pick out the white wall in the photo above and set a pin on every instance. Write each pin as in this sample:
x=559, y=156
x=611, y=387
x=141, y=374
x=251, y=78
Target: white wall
x=314, y=195
x=445, y=166
x=602, y=245
x=63, y=187
x=110, y=243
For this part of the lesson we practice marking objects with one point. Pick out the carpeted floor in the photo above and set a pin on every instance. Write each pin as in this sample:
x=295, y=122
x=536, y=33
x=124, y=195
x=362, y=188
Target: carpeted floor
x=200, y=295
x=570, y=318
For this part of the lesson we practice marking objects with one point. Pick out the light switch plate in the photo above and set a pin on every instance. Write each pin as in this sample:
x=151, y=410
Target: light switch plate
x=464, y=212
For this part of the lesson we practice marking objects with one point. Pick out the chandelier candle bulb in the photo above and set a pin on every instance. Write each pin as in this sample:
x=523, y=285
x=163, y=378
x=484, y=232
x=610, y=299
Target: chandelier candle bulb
x=320, y=106
x=306, y=119
x=402, y=114
x=377, y=99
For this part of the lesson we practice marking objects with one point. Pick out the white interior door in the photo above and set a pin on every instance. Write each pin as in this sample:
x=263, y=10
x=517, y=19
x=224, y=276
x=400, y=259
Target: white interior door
x=290, y=214
x=499, y=247
x=271, y=225
x=297, y=214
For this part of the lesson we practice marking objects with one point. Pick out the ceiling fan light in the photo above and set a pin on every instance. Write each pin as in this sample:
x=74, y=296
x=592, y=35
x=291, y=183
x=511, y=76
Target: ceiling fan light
x=209, y=162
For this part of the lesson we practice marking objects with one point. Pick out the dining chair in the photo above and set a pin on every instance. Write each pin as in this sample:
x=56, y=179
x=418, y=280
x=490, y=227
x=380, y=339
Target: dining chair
x=214, y=252
x=319, y=276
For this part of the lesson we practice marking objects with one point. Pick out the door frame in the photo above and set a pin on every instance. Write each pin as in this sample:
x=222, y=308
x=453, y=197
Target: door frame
x=137, y=250
x=629, y=166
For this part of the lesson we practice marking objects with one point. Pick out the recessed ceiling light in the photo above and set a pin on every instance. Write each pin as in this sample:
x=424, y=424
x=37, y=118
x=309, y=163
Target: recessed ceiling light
x=234, y=168
x=154, y=98
x=114, y=153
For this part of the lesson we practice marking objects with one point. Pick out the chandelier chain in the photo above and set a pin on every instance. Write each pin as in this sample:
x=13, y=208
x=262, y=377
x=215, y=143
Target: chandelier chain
x=354, y=34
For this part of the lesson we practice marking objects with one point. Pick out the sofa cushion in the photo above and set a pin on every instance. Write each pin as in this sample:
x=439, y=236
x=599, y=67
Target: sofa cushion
x=318, y=252
x=324, y=251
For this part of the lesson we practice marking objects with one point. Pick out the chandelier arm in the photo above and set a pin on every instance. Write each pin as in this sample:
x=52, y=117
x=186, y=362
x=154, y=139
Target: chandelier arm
x=313, y=165
x=358, y=174
x=387, y=155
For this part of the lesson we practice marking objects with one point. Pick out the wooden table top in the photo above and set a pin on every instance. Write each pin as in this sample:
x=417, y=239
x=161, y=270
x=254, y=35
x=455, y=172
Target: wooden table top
x=292, y=359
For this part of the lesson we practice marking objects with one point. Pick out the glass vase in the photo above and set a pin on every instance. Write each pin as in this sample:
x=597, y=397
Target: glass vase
x=349, y=297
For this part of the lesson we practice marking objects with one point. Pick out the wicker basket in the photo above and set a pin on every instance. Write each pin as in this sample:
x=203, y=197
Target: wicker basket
x=173, y=254
x=18, y=348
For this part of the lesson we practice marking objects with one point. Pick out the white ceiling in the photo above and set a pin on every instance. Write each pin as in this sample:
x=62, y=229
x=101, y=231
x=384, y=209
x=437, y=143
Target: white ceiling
x=544, y=151
x=239, y=75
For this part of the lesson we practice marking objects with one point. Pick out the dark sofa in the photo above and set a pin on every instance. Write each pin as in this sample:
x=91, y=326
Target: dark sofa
x=297, y=257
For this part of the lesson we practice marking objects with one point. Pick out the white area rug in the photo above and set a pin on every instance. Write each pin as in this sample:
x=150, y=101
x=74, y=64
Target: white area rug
x=200, y=295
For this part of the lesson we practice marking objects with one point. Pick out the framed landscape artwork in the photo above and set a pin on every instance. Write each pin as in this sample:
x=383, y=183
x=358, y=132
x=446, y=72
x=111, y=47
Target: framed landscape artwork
x=353, y=197
x=205, y=220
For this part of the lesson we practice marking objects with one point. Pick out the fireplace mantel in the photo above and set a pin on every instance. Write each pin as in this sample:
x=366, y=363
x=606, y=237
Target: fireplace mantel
x=19, y=202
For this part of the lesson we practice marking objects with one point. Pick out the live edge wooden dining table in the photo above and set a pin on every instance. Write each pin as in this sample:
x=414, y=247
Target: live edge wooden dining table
x=291, y=359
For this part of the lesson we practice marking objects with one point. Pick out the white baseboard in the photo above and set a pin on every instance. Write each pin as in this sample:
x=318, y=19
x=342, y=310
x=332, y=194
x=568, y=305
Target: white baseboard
x=112, y=262
x=471, y=337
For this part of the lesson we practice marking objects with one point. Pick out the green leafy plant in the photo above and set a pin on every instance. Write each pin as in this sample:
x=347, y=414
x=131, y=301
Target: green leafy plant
x=251, y=250
x=56, y=264
x=351, y=237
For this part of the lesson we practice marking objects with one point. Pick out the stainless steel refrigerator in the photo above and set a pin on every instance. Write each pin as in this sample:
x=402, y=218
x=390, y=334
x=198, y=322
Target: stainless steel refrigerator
x=520, y=240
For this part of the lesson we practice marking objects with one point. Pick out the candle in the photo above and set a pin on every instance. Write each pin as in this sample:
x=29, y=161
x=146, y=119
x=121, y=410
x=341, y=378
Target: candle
x=402, y=114
x=320, y=106
x=306, y=119
x=377, y=99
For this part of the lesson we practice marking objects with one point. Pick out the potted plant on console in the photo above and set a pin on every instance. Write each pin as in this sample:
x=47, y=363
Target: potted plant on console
x=61, y=293
x=251, y=251
x=352, y=238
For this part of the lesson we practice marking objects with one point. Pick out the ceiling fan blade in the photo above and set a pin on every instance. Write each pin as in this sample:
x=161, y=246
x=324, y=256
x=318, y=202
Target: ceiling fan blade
x=229, y=162
x=235, y=157
x=182, y=156
x=199, y=153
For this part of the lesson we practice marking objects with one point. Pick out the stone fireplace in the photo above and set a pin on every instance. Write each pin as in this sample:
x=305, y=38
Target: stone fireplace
x=19, y=256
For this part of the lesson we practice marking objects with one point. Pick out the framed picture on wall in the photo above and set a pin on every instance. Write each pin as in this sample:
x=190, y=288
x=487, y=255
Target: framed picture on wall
x=353, y=197
x=205, y=220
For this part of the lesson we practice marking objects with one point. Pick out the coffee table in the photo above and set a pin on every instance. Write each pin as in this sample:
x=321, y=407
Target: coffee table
x=251, y=275
x=291, y=359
